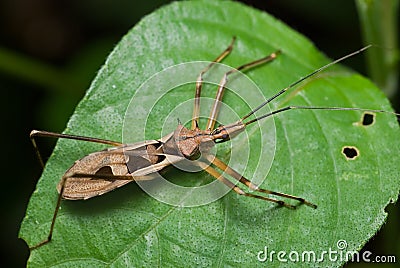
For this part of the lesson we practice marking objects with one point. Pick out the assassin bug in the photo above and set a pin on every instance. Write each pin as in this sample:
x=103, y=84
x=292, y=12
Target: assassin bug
x=103, y=171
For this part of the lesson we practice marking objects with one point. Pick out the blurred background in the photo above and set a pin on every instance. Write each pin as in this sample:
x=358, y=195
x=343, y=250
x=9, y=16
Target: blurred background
x=50, y=51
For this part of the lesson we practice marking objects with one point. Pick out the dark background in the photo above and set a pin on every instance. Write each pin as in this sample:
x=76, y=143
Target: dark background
x=70, y=39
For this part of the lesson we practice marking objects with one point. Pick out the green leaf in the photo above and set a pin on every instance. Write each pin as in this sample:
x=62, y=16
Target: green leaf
x=126, y=227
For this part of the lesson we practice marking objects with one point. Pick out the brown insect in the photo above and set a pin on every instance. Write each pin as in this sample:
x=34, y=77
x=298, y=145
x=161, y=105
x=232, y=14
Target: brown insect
x=103, y=171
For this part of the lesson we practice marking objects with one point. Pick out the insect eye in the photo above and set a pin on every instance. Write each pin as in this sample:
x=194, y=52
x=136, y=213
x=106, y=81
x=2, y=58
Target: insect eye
x=224, y=138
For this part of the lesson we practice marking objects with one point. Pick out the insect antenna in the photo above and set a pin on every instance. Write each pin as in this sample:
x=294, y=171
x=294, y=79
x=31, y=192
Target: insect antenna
x=317, y=108
x=298, y=82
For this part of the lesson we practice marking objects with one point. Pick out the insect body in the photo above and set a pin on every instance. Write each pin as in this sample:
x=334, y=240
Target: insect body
x=103, y=171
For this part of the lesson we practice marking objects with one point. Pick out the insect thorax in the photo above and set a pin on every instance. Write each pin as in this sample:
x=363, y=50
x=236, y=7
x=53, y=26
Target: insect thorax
x=189, y=143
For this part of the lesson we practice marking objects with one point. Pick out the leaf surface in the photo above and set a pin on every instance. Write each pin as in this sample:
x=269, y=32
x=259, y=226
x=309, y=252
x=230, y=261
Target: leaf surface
x=126, y=227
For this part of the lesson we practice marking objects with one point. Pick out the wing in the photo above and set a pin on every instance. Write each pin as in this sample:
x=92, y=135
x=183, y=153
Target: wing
x=110, y=167
x=108, y=163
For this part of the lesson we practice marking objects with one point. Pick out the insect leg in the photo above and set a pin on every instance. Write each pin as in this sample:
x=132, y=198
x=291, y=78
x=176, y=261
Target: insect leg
x=199, y=83
x=221, y=88
x=53, y=220
x=40, y=133
x=239, y=191
x=60, y=197
x=252, y=186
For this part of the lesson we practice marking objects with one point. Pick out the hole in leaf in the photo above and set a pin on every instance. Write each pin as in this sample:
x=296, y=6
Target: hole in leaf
x=368, y=119
x=350, y=152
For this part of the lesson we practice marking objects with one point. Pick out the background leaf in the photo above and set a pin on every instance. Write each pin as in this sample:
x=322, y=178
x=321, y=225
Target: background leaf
x=128, y=227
